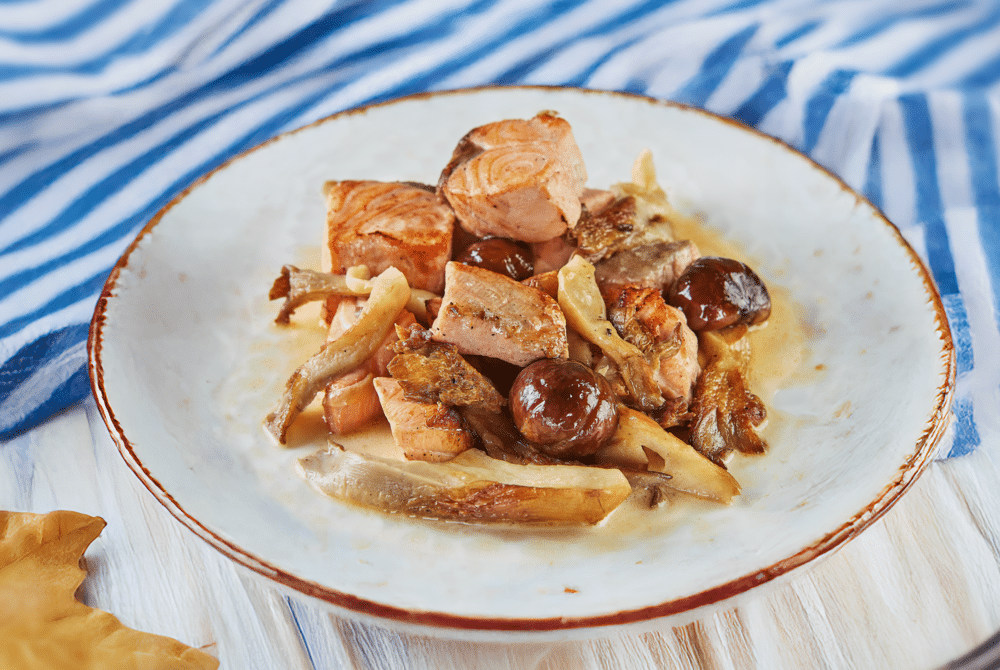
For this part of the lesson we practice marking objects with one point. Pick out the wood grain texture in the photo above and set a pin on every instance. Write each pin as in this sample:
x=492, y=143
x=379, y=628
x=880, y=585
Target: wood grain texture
x=918, y=589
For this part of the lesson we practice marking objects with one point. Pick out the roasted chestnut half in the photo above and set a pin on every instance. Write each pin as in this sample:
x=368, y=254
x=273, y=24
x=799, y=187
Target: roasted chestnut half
x=716, y=292
x=501, y=255
x=564, y=407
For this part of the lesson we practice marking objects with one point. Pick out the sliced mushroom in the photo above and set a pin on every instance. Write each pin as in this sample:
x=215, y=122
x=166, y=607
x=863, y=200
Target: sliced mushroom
x=652, y=488
x=640, y=215
x=470, y=487
x=299, y=287
x=601, y=235
x=585, y=312
x=641, y=444
x=389, y=295
x=430, y=371
x=727, y=415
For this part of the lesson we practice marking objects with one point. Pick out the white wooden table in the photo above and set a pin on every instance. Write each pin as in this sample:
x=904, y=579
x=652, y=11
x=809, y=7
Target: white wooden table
x=918, y=589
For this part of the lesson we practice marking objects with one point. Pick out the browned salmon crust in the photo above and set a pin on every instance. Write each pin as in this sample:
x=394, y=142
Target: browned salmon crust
x=486, y=314
x=382, y=224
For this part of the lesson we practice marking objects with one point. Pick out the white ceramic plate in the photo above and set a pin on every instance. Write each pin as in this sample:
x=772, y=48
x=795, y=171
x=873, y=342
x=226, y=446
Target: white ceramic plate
x=186, y=362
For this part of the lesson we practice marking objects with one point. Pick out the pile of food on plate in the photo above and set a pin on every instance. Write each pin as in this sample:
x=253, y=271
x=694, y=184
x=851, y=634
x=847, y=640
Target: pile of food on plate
x=541, y=350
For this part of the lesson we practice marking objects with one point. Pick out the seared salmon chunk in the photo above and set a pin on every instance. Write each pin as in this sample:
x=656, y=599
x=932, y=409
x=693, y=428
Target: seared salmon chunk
x=518, y=179
x=488, y=314
x=388, y=224
x=424, y=431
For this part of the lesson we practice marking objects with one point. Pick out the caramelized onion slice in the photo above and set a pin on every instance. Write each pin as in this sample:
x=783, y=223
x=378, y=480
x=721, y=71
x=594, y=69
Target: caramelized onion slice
x=470, y=487
x=389, y=296
x=581, y=302
x=640, y=442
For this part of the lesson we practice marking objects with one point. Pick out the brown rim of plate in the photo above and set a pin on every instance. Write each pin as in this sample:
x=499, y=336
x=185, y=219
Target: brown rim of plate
x=908, y=471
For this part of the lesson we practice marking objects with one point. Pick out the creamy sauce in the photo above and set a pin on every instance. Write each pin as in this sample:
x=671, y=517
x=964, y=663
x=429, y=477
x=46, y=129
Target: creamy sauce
x=778, y=346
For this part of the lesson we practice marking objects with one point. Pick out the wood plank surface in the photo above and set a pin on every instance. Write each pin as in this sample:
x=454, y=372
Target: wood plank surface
x=916, y=590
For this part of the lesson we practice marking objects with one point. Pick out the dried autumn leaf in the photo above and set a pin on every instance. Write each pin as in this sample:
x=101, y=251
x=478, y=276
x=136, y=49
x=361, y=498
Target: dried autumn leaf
x=44, y=626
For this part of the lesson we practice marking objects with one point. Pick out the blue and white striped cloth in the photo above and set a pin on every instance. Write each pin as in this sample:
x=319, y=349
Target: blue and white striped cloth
x=108, y=108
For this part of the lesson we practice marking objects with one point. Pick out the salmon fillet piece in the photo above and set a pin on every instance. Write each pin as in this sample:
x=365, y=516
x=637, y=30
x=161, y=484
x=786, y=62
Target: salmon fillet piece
x=544, y=127
x=516, y=178
x=350, y=402
x=381, y=224
x=642, y=317
x=652, y=265
x=487, y=314
x=423, y=431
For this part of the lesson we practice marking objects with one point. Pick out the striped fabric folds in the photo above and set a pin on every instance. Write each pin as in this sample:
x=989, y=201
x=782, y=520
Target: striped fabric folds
x=109, y=108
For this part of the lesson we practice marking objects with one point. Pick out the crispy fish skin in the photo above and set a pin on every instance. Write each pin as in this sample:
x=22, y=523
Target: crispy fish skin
x=484, y=313
x=640, y=215
x=516, y=178
x=382, y=224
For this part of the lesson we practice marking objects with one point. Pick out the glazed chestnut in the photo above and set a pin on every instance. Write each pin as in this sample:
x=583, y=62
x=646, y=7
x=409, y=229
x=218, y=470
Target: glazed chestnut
x=501, y=255
x=564, y=407
x=717, y=292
